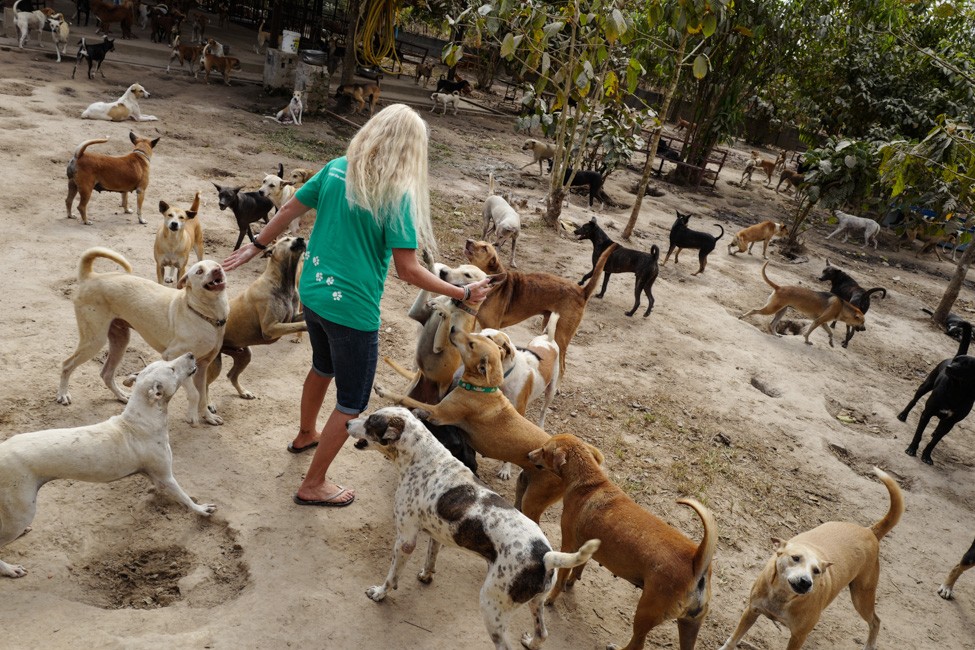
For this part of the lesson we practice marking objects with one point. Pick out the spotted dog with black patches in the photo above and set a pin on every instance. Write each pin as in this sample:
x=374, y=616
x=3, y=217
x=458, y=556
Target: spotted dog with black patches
x=438, y=495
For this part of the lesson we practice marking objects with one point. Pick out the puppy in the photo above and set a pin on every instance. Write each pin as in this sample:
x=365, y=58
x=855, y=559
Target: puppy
x=592, y=180
x=673, y=572
x=844, y=286
x=439, y=496
x=807, y=572
x=299, y=176
x=95, y=54
x=361, y=94
x=763, y=232
x=184, y=54
x=92, y=171
x=60, y=32
x=124, y=108
x=28, y=20
x=267, y=310
x=136, y=441
x=262, y=37
x=500, y=219
x=790, y=178
x=967, y=562
x=222, y=64
x=849, y=223
x=682, y=237
x=622, y=260
x=179, y=232
x=461, y=85
x=423, y=71
x=445, y=99
x=952, y=397
x=821, y=306
x=279, y=191
x=290, y=114
x=189, y=318
x=247, y=207
x=540, y=151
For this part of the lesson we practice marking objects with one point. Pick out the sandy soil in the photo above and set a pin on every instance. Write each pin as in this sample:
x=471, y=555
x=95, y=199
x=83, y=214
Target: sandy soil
x=690, y=401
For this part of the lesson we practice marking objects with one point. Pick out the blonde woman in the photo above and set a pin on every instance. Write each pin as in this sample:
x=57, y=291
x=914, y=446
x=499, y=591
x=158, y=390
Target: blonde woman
x=373, y=204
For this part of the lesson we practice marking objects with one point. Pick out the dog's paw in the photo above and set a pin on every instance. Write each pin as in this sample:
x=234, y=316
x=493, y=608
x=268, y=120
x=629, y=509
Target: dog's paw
x=377, y=593
x=504, y=472
x=926, y=460
x=206, y=509
x=64, y=398
x=425, y=577
x=911, y=451
x=900, y=416
x=379, y=390
x=945, y=592
x=528, y=640
x=246, y=394
x=421, y=414
x=12, y=570
x=212, y=418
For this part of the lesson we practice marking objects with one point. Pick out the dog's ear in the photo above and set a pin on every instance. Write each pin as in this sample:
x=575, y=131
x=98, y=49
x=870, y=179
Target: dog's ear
x=152, y=145
x=558, y=459
x=778, y=544
x=827, y=263
x=268, y=251
x=496, y=279
x=825, y=565
x=394, y=429
x=128, y=381
x=483, y=366
x=132, y=137
x=219, y=189
x=190, y=214
x=593, y=220
x=163, y=206
x=596, y=454
x=182, y=281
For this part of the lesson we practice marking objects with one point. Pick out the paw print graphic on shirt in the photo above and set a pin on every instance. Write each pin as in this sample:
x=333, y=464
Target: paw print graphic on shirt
x=315, y=260
x=336, y=295
x=330, y=280
x=319, y=276
x=307, y=255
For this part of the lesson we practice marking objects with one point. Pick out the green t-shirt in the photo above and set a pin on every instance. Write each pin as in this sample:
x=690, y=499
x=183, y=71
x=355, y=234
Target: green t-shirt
x=348, y=253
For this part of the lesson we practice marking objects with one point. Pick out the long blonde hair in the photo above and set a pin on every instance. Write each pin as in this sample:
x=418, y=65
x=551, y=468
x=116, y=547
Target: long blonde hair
x=387, y=165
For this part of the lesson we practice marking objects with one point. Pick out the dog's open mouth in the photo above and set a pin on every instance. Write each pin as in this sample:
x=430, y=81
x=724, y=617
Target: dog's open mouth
x=361, y=443
x=217, y=282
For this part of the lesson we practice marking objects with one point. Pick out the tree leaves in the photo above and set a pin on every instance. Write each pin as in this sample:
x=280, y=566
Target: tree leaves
x=700, y=68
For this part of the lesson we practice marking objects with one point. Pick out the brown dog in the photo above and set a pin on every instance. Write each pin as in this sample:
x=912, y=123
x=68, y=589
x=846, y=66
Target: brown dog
x=495, y=429
x=222, y=64
x=360, y=94
x=673, y=572
x=821, y=306
x=523, y=295
x=91, y=171
x=807, y=572
x=108, y=13
x=179, y=233
x=760, y=232
x=929, y=242
x=267, y=310
x=184, y=54
x=791, y=179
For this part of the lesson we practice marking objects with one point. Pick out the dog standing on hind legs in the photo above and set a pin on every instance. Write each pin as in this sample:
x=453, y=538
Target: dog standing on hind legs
x=682, y=237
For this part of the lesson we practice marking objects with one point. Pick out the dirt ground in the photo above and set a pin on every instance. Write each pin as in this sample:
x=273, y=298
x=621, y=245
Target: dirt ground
x=773, y=435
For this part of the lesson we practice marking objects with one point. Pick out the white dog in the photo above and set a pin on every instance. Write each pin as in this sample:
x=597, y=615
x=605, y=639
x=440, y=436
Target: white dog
x=124, y=108
x=137, y=440
x=280, y=192
x=28, y=20
x=848, y=223
x=444, y=99
x=502, y=220
x=60, y=33
x=290, y=114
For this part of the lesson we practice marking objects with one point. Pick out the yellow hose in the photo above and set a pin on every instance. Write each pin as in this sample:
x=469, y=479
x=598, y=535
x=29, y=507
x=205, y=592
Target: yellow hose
x=379, y=19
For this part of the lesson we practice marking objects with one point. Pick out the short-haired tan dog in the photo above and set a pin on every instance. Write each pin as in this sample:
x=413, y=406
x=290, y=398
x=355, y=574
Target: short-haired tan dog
x=807, y=572
x=673, y=572
x=299, y=176
x=361, y=94
x=822, y=306
x=178, y=234
x=88, y=172
x=222, y=64
x=540, y=151
x=760, y=232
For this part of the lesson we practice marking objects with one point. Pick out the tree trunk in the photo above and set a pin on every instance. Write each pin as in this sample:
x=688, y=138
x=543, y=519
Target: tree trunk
x=348, y=61
x=655, y=140
x=954, y=286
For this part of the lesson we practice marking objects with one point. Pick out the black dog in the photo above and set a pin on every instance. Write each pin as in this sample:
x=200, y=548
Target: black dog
x=845, y=287
x=82, y=7
x=952, y=396
x=94, y=53
x=248, y=207
x=446, y=86
x=664, y=150
x=682, y=237
x=952, y=323
x=621, y=260
x=593, y=180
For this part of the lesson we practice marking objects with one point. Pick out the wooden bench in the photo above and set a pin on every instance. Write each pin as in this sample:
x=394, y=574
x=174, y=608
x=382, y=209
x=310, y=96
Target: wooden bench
x=712, y=166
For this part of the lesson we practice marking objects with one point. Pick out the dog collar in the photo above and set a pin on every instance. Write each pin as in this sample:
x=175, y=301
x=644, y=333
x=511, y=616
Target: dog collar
x=508, y=372
x=213, y=321
x=463, y=307
x=142, y=153
x=477, y=389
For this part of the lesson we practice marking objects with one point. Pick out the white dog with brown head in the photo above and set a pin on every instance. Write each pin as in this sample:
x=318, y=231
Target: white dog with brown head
x=124, y=108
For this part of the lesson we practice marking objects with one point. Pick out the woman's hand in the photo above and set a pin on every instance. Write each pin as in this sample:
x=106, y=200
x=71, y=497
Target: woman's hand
x=240, y=257
x=479, y=291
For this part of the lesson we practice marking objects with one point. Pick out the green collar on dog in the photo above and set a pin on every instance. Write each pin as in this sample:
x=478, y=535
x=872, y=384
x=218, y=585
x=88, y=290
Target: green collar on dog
x=477, y=389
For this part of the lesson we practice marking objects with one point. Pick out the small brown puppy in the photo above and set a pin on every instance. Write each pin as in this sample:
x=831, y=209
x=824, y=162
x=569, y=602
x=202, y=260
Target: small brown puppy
x=807, y=572
x=494, y=428
x=267, y=310
x=222, y=64
x=760, y=232
x=360, y=94
x=821, y=306
x=791, y=179
x=92, y=171
x=179, y=232
x=673, y=572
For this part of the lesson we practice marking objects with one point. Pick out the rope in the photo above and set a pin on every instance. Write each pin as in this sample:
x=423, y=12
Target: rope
x=380, y=20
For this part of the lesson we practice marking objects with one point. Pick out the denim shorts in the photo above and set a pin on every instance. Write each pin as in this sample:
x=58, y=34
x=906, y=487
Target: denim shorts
x=349, y=355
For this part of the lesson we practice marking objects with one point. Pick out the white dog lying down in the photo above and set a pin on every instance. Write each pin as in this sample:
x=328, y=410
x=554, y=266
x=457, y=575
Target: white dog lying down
x=137, y=440
x=444, y=99
x=849, y=223
x=124, y=108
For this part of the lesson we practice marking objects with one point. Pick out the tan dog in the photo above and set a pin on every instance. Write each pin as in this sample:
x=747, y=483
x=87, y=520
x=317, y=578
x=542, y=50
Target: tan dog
x=425, y=71
x=189, y=318
x=541, y=151
x=179, y=232
x=184, y=54
x=222, y=64
x=821, y=306
x=811, y=569
x=300, y=176
x=760, y=232
x=523, y=295
x=361, y=94
x=684, y=124
x=267, y=310
x=494, y=428
x=767, y=166
x=673, y=572
x=791, y=179
x=90, y=171
x=929, y=242
x=262, y=37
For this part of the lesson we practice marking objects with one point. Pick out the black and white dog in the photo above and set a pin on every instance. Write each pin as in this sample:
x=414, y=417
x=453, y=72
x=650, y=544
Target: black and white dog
x=94, y=53
x=446, y=86
x=622, y=260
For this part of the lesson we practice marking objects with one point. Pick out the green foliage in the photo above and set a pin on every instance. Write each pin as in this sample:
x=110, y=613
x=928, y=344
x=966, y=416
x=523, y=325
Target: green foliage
x=842, y=172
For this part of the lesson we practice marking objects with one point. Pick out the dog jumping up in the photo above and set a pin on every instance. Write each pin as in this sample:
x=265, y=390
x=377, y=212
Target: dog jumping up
x=849, y=223
x=178, y=234
x=439, y=496
x=135, y=441
x=682, y=237
x=844, y=286
x=501, y=220
x=124, y=108
x=809, y=571
x=248, y=207
x=95, y=54
x=760, y=232
x=88, y=172
x=622, y=260
x=821, y=306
